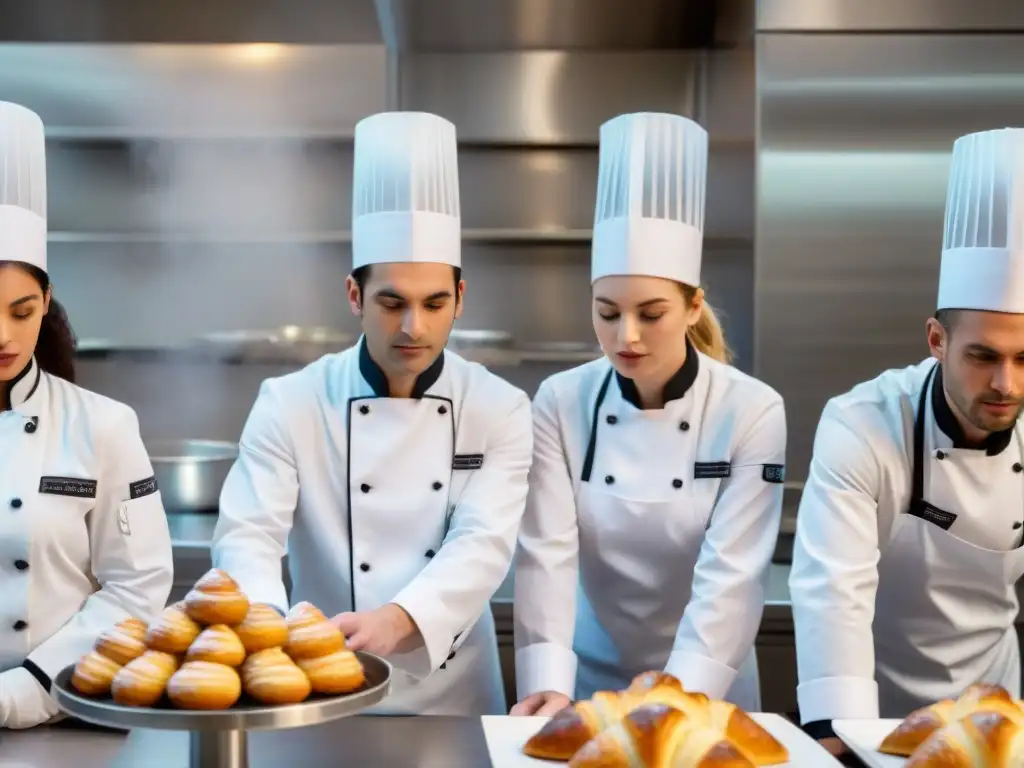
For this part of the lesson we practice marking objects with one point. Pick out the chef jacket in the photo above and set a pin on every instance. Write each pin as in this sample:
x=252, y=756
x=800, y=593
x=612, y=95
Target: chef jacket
x=84, y=542
x=672, y=569
x=413, y=501
x=899, y=601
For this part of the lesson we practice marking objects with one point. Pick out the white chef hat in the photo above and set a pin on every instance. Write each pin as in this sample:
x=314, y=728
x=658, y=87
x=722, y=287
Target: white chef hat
x=22, y=186
x=983, y=246
x=405, y=202
x=649, y=218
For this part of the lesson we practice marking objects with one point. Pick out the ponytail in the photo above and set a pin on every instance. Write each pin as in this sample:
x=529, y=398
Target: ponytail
x=707, y=335
x=55, y=350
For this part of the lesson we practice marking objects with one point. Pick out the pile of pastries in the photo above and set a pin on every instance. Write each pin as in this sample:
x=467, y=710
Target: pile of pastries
x=653, y=724
x=983, y=728
x=205, y=651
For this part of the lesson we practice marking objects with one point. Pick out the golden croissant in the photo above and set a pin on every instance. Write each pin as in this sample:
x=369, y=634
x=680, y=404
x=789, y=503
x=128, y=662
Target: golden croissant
x=987, y=738
x=922, y=723
x=661, y=736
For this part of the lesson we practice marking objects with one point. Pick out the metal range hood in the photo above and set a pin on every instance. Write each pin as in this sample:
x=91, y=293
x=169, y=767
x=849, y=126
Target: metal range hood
x=483, y=26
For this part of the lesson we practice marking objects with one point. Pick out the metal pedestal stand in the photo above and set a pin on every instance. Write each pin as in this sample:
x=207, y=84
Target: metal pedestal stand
x=220, y=739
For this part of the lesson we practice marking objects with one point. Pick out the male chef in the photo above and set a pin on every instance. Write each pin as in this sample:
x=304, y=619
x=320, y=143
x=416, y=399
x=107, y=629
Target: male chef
x=393, y=473
x=912, y=513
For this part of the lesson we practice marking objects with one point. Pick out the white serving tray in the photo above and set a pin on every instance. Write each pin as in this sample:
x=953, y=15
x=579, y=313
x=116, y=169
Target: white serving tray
x=863, y=738
x=507, y=735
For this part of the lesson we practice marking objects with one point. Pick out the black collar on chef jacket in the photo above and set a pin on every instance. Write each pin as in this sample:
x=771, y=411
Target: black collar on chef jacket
x=993, y=445
x=675, y=388
x=379, y=382
x=23, y=386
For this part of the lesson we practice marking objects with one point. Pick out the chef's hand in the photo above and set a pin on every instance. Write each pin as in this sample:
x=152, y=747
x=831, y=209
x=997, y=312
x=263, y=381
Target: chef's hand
x=543, y=704
x=835, y=746
x=386, y=630
x=24, y=703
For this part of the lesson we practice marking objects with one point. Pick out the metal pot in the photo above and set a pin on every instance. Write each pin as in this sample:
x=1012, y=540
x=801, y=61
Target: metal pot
x=190, y=473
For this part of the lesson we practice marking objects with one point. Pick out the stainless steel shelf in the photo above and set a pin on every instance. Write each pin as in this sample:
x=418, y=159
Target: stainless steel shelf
x=327, y=236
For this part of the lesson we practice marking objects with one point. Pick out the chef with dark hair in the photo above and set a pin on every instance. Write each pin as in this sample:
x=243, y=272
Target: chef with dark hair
x=908, y=544
x=393, y=473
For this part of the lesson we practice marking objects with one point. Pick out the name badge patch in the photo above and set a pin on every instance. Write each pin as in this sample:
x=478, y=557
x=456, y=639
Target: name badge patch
x=77, y=487
x=933, y=515
x=468, y=461
x=774, y=473
x=142, y=488
x=703, y=470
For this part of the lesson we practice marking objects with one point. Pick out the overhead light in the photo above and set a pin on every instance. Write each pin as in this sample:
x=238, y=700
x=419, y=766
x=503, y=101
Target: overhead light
x=258, y=53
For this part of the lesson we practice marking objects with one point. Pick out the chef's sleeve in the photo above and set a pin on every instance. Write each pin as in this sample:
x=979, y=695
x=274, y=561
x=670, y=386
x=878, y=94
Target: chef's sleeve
x=834, y=576
x=448, y=596
x=721, y=620
x=257, y=504
x=131, y=560
x=547, y=563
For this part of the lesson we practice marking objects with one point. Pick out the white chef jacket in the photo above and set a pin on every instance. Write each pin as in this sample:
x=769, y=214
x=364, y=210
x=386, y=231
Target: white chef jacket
x=896, y=607
x=414, y=501
x=675, y=570
x=84, y=542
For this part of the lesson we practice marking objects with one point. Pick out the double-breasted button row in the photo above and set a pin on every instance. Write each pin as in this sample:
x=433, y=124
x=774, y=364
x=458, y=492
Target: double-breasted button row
x=366, y=487
x=611, y=418
x=610, y=480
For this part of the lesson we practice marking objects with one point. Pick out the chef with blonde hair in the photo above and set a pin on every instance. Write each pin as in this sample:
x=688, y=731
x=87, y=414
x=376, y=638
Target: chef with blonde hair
x=656, y=487
x=394, y=473
x=908, y=545
x=84, y=542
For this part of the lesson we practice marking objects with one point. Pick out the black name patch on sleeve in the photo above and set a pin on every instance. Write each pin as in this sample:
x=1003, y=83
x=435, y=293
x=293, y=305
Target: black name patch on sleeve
x=468, y=461
x=933, y=515
x=774, y=473
x=142, y=488
x=703, y=470
x=68, y=486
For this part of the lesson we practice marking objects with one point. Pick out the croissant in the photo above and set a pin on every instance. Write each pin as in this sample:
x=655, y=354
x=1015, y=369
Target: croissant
x=336, y=673
x=262, y=628
x=310, y=634
x=648, y=680
x=204, y=685
x=218, y=645
x=94, y=674
x=216, y=599
x=984, y=739
x=922, y=723
x=173, y=631
x=660, y=736
x=123, y=642
x=141, y=682
x=271, y=677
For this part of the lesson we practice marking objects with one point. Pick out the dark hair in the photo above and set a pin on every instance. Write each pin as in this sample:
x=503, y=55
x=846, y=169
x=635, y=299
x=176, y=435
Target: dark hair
x=362, y=275
x=947, y=318
x=55, y=350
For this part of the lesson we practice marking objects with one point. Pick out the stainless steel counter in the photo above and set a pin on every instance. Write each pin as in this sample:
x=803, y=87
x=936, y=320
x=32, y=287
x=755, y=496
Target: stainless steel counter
x=410, y=742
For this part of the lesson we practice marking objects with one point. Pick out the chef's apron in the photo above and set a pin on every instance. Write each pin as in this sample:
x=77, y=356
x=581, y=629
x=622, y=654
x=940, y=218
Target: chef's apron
x=945, y=608
x=637, y=560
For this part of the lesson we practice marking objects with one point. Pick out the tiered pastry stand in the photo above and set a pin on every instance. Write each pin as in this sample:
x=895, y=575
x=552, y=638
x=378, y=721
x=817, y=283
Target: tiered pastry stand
x=219, y=739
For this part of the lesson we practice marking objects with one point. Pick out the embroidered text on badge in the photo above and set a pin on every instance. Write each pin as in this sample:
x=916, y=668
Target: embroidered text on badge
x=933, y=515
x=468, y=461
x=774, y=473
x=68, y=486
x=703, y=470
x=142, y=488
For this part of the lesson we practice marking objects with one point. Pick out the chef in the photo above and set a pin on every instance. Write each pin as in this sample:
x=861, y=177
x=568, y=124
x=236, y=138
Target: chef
x=909, y=532
x=84, y=542
x=394, y=473
x=656, y=486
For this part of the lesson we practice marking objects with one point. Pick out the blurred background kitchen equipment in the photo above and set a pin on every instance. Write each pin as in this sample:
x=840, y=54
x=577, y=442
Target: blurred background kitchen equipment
x=190, y=473
x=485, y=347
x=288, y=344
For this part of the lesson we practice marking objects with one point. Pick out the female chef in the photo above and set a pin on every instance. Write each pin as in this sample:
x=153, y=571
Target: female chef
x=657, y=478
x=84, y=542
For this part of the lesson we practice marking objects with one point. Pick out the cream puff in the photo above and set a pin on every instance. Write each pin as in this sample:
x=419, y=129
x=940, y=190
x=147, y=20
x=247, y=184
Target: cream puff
x=173, y=631
x=94, y=674
x=216, y=599
x=262, y=628
x=141, y=682
x=310, y=634
x=204, y=685
x=123, y=642
x=219, y=645
x=336, y=673
x=271, y=677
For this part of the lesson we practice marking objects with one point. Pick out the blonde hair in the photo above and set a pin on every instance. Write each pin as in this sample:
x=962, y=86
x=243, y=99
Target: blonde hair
x=707, y=335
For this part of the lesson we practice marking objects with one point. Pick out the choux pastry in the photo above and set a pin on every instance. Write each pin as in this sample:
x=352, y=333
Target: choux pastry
x=271, y=677
x=94, y=674
x=216, y=599
x=219, y=645
x=204, y=685
x=123, y=642
x=310, y=634
x=336, y=673
x=141, y=682
x=173, y=631
x=262, y=628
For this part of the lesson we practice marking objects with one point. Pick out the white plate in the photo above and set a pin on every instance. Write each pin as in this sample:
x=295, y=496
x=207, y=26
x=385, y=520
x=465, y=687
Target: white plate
x=864, y=736
x=507, y=735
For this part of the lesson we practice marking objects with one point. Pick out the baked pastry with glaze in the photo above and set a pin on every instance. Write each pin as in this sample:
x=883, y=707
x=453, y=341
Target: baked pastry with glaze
x=94, y=673
x=916, y=727
x=988, y=738
x=204, y=685
x=310, y=634
x=123, y=642
x=647, y=681
x=333, y=674
x=262, y=628
x=142, y=681
x=217, y=644
x=173, y=631
x=271, y=677
x=216, y=599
